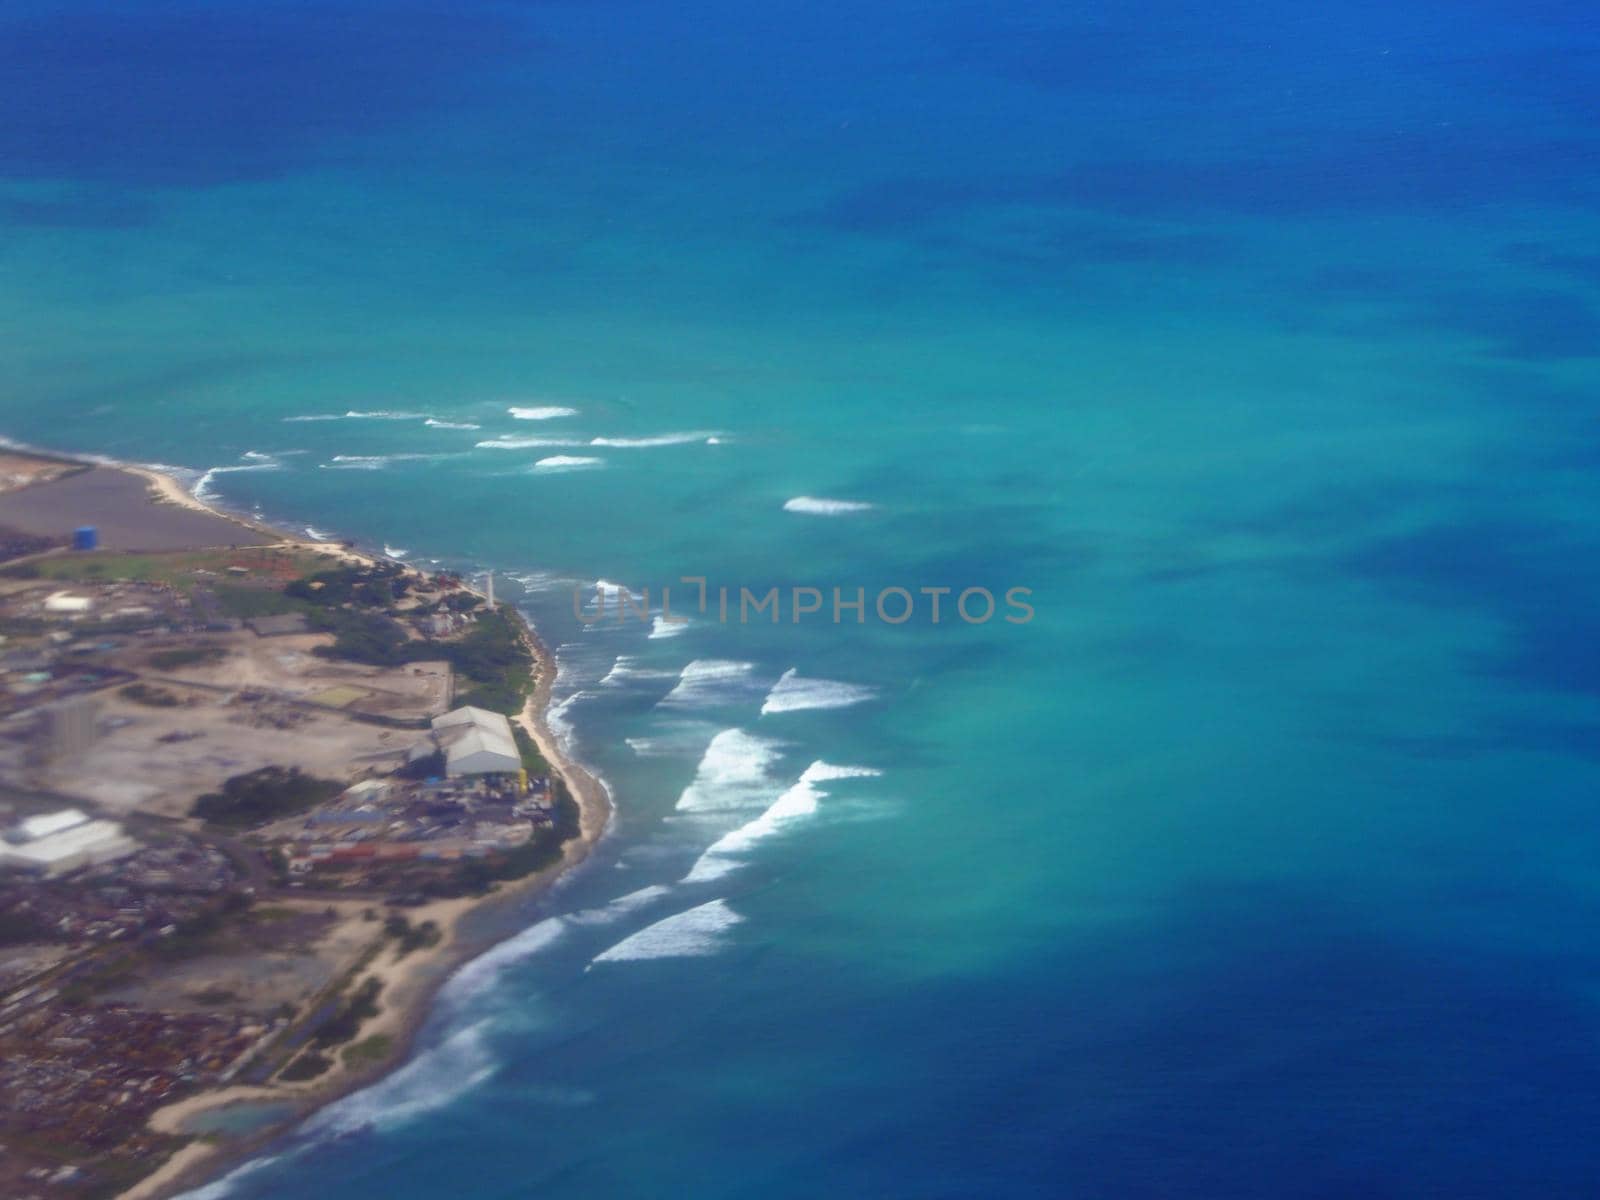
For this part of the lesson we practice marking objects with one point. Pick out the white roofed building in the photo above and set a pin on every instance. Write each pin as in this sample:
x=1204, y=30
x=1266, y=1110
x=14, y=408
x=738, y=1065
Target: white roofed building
x=82, y=844
x=45, y=824
x=475, y=741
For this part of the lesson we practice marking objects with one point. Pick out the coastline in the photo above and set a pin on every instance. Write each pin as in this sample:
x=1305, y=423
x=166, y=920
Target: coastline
x=410, y=984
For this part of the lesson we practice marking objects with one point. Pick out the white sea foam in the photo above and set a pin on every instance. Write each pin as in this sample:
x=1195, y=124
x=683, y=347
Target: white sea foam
x=567, y=462
x=203, y=489
x=479, y=975
x=318, y=535
x=392, y=552
x=368, y=462
x=626, y=670
x=438, y=424
x=792, y=693
x=622, y=906
x=821, y=506
x=660, y=627
x=354, y=415
x=428, y=1082
x=541, y=412
x=525, y=443
x=728, y=852
x=256, y=456
x=707, y=681
x=734, y=774
x=697, y=933
x=659, y=439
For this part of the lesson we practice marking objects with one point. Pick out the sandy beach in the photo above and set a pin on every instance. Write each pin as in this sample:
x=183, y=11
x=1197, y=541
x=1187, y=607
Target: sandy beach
x=148, y=509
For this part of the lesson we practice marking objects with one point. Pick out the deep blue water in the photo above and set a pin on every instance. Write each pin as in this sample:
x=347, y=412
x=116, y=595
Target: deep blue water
x=1259, y=340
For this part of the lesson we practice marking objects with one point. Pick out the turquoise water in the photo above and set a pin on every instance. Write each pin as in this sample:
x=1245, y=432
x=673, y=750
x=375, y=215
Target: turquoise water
x=1259, y=342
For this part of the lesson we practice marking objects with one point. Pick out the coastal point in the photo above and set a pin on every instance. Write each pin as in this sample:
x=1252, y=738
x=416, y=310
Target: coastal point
x=250, y=786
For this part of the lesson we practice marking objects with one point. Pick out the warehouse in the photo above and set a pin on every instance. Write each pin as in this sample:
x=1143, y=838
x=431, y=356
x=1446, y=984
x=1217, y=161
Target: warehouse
x=474, y=741
x=79, y=844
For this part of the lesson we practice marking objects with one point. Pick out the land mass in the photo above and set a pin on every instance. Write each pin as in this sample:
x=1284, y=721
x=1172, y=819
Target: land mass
x=251, y=790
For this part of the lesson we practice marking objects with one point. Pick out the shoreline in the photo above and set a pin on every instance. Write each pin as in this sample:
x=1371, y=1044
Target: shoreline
x=411, y=984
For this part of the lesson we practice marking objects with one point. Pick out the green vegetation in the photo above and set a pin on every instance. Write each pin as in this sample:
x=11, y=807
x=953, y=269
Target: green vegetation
x=368, y=1050
x=150, y=696
x=363, y=637
x=346, y=1023
x=491, y=657
x=411, y=937
x=268, y=794
x=187, y=656
x=309, y=1065
x=532, y=761
x=495, y=659
x=375, y=586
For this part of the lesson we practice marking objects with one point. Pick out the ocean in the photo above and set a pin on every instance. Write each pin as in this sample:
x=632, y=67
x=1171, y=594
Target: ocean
x=1257, y=340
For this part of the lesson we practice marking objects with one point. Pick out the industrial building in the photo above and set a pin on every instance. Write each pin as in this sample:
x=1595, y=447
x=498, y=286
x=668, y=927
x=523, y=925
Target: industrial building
x=474, y=741
x=55, y=843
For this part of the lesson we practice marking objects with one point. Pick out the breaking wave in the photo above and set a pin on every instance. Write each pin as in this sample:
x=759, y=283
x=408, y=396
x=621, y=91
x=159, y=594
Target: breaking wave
x=524, y=443
x=734, y=774
x=567, y=462
x=821, y=506
x=792, y=694
x=660, y=627
x=707, y=681
x=355, y=415
x=728, y=852
x=697, y=933
x=428, y=1082
x=205, y=492
x=541, y=412
x=438, y=424
x=660, y=439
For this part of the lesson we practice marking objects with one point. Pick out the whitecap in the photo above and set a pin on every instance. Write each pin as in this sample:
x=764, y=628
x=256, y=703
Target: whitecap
x=392, y=552
x=820, y=506
x=318, y=535
x=660, y=439
x=355, y=415
x=205, y=492
x=438, y=424
x=368, y=462
x=697, y=933
x=626, y=670
x=479, y=975
x=256, y=456
x=524, y=443
x=567, y=462
x=428, y=1082
x=541, y=412
x=728, y=852
x=792, y=693
x=707, y=681
x=734, y=773
x=622, y=906
x=660, y=627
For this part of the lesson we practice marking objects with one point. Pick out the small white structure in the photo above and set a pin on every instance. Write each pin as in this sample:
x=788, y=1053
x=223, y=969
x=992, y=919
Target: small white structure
x=43, y=825
x=65, y=604
x=475, y=741
x=82, y=844
x=368, y=791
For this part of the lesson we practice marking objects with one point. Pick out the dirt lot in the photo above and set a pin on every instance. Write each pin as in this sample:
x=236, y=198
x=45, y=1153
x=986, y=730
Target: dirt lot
x=285, y=665
x=209, y=739
x=286, y=952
